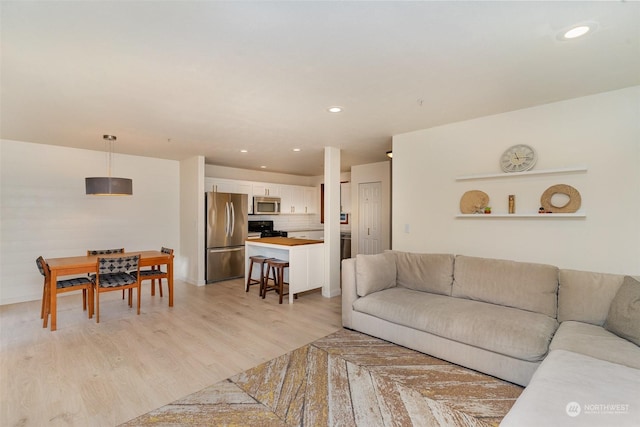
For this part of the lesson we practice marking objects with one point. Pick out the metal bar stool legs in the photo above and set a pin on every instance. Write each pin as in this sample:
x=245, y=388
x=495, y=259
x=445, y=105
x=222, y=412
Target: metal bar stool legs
x=261, y=260
x=275, y=274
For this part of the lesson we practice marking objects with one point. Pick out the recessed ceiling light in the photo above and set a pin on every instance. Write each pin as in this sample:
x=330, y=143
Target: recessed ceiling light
x=244, y=151
x=334, y=109
x=263, y=167
x=297, y=149
x=577, y=31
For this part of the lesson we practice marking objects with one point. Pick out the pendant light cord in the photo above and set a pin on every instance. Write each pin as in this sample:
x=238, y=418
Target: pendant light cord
x=109, y=139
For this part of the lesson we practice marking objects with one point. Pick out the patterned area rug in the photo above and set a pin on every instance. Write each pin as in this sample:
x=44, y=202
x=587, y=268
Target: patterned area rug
x=345, y=379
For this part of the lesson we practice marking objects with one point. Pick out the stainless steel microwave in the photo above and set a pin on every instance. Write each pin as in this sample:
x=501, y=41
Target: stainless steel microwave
x=266, y=205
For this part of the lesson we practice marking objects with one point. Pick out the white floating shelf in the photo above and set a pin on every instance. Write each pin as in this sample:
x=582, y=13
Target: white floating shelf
x=527, y=173
x=533, y=215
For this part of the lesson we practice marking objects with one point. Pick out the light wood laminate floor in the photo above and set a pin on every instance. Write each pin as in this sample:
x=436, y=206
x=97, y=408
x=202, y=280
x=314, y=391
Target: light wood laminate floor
x=105, y=374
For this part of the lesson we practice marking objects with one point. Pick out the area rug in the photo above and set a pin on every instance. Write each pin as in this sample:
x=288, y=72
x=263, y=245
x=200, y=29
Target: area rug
x=345, y=379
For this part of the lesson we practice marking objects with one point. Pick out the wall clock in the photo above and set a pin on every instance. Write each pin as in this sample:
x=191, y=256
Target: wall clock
x=518, y=158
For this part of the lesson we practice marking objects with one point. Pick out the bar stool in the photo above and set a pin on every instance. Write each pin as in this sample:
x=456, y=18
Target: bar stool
x=276, y=268
x=256, y=259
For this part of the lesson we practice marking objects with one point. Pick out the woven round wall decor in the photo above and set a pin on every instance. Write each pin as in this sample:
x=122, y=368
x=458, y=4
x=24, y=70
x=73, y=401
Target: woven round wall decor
x=473, y=201
x=574, y=199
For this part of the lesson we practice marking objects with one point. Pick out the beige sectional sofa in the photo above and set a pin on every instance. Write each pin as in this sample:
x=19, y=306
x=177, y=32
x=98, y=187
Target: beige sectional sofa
x=530, y=324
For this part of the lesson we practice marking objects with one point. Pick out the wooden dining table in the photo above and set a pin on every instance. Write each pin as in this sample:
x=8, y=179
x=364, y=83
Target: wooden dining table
x=85, y=264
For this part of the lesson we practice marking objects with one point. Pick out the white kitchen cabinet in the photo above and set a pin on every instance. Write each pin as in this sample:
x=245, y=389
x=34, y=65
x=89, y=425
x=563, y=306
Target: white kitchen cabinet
x=345, y=197
x=231, y=186
x=266, y=189
x=306, y=264
x=297, y=199
x=292, y=199
x=310, y=200
x=228, y=186
x=245, y=187
x=219, y=185
x=286, y=199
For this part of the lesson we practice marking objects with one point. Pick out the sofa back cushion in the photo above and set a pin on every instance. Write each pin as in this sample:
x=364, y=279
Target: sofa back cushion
x=584, y=296
x=375, y=272
x=425, y=272
x=523, y=285
x=624, y=313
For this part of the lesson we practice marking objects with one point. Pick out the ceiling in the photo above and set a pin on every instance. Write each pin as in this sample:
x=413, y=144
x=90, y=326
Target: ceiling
x=177, y=79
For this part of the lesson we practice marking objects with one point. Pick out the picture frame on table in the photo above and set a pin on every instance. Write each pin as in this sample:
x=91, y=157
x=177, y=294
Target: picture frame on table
x=344, y=218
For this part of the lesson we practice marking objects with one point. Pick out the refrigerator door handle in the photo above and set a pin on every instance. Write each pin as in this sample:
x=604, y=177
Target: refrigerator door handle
x=226, y=250
x=226, y=219
x=233, y=219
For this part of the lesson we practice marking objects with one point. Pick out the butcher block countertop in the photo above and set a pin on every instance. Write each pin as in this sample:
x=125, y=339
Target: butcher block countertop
x=285, y=241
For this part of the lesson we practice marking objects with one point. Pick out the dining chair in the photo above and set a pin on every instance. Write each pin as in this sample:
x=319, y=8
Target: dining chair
x=156, y=273
x=66, y=285
x=104, y=251
x=115, y=273
x=108, y=252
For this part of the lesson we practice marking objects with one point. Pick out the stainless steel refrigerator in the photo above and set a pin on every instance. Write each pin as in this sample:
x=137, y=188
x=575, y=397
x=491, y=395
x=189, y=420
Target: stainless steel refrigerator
x=226, y=215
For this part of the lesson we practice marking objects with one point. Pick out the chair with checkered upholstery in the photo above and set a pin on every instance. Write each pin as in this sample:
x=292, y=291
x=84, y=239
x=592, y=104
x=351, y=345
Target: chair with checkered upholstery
x=108, y=252
x=156, y=273
x=104, y=251
x=116, y=273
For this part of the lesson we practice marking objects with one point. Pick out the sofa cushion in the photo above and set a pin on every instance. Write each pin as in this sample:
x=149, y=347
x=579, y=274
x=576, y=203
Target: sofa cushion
x=585, y=296
x=624, y=313
x=523, y=285
x=571, y=389
x=375, y=272
x=516, y=333
x=595, y=341
x=425, y=272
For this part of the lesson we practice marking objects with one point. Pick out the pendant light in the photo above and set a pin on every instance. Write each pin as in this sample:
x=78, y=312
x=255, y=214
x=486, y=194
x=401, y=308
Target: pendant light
x=108, y=186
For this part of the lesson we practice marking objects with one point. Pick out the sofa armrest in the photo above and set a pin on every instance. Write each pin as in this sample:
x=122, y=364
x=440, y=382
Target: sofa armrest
x=349, y=294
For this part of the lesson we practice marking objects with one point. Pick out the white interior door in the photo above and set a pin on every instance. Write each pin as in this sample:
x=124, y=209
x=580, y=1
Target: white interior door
x=369, y=218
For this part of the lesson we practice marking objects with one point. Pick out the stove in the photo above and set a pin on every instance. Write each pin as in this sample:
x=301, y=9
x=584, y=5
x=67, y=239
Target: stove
x=265, y=228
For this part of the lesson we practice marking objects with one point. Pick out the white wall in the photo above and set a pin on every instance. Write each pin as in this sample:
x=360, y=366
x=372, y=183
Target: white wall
x=45, y=211
x=601, y=132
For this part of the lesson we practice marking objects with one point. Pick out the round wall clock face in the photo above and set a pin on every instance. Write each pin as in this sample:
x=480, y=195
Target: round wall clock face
x=518, y=158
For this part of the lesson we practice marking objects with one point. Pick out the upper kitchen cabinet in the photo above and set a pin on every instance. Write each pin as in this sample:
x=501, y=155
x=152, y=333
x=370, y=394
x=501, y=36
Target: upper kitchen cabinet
x=231, y=186
x=297, y=199
x=266, y=189
x=228, y=186
x=311, y=200
x=345, y=197
x=291, y=199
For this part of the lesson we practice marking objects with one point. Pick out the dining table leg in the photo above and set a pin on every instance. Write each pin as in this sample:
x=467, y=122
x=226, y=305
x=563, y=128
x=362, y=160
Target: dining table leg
x=170, y=280
x=53, y=309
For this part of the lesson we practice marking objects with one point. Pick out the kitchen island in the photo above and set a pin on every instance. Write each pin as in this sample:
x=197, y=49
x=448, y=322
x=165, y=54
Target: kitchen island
x=306, y=261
